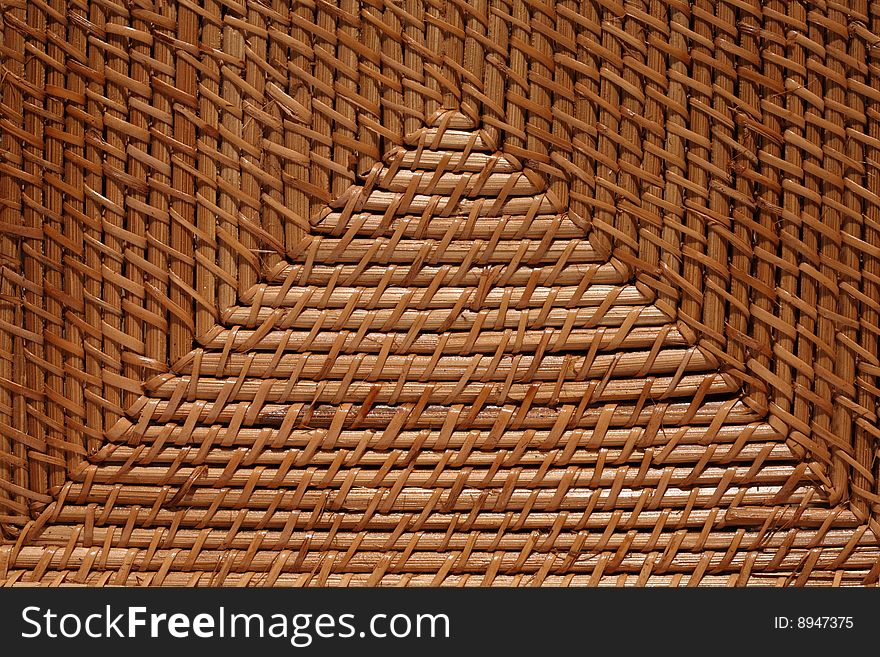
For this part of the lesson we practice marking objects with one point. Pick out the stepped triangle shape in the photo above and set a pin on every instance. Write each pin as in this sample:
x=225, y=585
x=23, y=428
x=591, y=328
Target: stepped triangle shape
x=444, y=346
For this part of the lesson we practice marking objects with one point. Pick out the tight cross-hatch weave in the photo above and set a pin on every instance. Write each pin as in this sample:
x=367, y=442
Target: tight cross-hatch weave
x=400, y=293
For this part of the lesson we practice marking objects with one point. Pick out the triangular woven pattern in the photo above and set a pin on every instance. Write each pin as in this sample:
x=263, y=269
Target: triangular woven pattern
x=497, y=294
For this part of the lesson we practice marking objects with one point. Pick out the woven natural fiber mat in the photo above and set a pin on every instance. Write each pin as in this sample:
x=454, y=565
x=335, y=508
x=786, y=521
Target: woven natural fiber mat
x=388, y=292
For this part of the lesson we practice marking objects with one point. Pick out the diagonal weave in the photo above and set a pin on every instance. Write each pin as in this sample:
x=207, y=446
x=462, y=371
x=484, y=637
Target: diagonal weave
x=438, y=293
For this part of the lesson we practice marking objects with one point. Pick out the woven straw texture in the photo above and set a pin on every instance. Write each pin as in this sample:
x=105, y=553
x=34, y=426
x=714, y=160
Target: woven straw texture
x=401, y=293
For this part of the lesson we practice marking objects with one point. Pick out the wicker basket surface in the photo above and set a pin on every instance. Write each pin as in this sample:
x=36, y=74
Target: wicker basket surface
x=505, y=292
